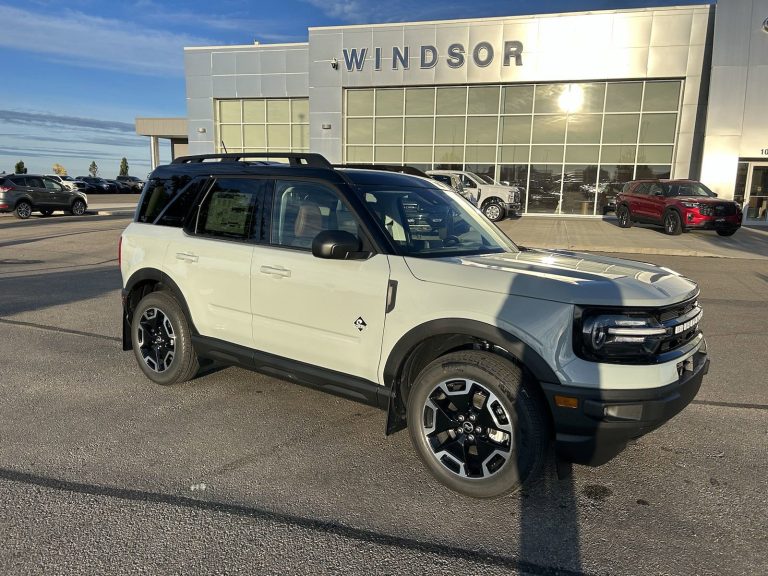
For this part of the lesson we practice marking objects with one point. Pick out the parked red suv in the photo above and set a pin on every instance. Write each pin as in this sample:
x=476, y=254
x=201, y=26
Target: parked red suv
x=678, y=205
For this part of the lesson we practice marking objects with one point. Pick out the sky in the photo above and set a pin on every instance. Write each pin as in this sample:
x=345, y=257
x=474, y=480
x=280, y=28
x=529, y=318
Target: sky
x=75, y=74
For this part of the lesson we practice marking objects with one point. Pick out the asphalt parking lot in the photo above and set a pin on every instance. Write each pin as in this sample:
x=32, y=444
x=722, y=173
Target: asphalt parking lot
x=103, y=472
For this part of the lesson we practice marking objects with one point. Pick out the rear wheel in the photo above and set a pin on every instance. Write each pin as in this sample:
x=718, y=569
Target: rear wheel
x=78, y=208
x=46, y=212
x=493, y=211
x=23, y=210
x=477, y=424
x=727, y=232
x=672, y=224
x=623, y=216
x=162, y=340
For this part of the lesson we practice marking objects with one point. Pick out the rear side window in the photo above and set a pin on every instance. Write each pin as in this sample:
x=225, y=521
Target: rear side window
x=233, y=209
x=158, y=194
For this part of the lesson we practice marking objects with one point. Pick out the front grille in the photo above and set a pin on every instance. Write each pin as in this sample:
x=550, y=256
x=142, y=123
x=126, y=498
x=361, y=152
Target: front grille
x=682, y=324
x=728, y=209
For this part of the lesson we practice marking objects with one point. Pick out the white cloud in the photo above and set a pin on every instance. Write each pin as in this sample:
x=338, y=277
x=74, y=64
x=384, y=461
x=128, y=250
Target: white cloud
x=94, y=42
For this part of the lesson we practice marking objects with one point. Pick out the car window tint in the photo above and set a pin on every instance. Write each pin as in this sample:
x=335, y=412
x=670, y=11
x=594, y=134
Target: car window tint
x=158, y=195
x=301, y=210
x=51, y=185
x=18, y=180
x=230, y=208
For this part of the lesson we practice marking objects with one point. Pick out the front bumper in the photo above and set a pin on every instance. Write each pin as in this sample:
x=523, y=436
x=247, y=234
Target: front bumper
x=605, y=420
x=512, y=207
x=695, y=221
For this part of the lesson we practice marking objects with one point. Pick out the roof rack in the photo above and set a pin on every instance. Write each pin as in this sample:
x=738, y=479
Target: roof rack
x=294, y=158
x=402, y=168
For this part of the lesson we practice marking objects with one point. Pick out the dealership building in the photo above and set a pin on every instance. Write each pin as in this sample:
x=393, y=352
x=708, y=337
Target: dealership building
x=568, y=107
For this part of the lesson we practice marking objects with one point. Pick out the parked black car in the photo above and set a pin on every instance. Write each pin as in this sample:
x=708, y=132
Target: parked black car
x=23, y=194
x=122, y=187
x=100, y=184
x=135, y=183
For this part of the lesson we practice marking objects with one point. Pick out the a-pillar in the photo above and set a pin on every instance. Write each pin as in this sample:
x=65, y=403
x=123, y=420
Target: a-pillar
x=154, y=151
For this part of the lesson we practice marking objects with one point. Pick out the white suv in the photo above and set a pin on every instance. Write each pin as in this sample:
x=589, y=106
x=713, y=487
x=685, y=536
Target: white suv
x=495, y=200
x=386, y=289
x=67, y=181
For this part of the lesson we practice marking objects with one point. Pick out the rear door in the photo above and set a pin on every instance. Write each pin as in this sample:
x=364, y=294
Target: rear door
x=655, y=202
x=38, y=192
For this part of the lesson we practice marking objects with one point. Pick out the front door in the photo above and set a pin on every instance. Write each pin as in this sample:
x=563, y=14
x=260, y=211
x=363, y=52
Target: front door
x=58, y=197
x=327, y=313
x=756, y=210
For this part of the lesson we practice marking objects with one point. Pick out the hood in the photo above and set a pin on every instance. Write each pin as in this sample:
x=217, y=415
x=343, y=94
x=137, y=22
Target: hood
x=561, y=276
x=704, y=200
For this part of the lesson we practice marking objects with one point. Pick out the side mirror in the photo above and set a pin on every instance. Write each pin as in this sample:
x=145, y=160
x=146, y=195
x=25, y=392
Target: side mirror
x=337, y=245
x=714, y=195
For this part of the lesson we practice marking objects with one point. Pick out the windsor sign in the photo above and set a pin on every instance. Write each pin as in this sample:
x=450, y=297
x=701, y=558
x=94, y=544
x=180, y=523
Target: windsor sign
x=481, y=55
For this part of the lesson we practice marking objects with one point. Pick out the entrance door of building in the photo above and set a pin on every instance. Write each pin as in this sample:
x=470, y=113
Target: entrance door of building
x=756, y=197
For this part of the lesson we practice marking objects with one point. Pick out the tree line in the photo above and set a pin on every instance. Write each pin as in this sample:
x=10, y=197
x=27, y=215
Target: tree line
x=60, y=170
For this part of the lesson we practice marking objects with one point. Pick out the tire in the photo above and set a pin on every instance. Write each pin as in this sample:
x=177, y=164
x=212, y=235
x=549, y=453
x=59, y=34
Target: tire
x=78, y=208
x=727, y=232
x=672, y=224
x=493, y=211
x=23, y=210
x=46, y=212
x=446, y=394
x=624, y=216
x=162, y=341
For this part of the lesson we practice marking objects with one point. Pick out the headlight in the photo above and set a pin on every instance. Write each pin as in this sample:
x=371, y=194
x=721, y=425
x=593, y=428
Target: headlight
x=512, y=197
x=688, y=204
x=619, y=336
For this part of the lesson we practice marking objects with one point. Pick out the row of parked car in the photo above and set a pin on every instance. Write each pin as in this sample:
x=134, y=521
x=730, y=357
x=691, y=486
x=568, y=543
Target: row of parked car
x=95, y=185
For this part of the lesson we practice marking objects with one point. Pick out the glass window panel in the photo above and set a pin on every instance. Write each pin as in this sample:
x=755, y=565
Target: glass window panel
x=277, y=111
x=232, y=136
x=620, y=128
x=254, y=111
x=254, y=149
x=482, y=130
x=480, y=154
x=741, y=182
x=579, y=187
x=659, y=128
x=654, y=155
x=611, y=181
x=548, y=129
x=359, y=102
x=544, y=188
x=662, y=96
x=592, y=97
x=449, y=154
x=300, y=136
x=300, y=110
x=389, y=102
x=278, y=136
x=360, y=131
x=515, y=154
x=548, y=98
x=418, y=130
x=517, y=100
x=483, y=100
x=420, y=154
x=582, y=154
x=389, y=131
x=618, y=155
x=516, y=129
x=645, y=171
x=449, y=130
x=584, y=128
x=547, y=154
x=229, y=111
x=360, y=154
x=452, y=101
x=623, y=96
x=254, y=136
x=515, y=175
x=419, y=101
x=389, y=154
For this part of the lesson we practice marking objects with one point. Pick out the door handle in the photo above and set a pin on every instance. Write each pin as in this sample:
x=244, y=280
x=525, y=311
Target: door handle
x=186, y=257
x=276, y=271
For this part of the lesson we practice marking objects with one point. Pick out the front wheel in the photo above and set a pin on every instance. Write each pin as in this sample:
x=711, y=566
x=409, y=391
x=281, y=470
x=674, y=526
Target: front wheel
x=78, y=208
x=672, y=224
x=493, y=211
x=624, y=217
x=477, y=424
x=726, y=232
x=162, y=340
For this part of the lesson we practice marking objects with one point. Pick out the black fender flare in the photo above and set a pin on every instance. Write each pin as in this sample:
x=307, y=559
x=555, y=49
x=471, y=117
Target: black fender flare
x=159, y=277
x=471, y=329
x=26, y=198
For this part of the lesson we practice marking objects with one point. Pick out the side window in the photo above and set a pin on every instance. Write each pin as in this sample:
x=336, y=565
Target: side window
x=18, y=180
x=175, y=212
x=35, y=182
x=231, y=208
x=467, y=182
x=158, y=194
x=640, y=190
x=302, y=210
x=51, y=185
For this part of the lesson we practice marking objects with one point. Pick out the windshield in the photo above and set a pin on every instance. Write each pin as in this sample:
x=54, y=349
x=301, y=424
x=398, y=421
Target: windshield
x=433, y=223
x=487, y=179
x=688, y=189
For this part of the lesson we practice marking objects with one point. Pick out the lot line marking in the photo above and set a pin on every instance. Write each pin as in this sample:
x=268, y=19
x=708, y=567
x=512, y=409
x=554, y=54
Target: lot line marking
x=341, y=530
x=60, y=330
x=731, y=404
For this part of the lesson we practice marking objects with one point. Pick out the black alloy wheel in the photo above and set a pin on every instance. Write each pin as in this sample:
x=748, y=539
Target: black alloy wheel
x=623, y=216
x=157, y=340
x=476, y=425
x=78, y=208
x=672, y=224
x=23, y=210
